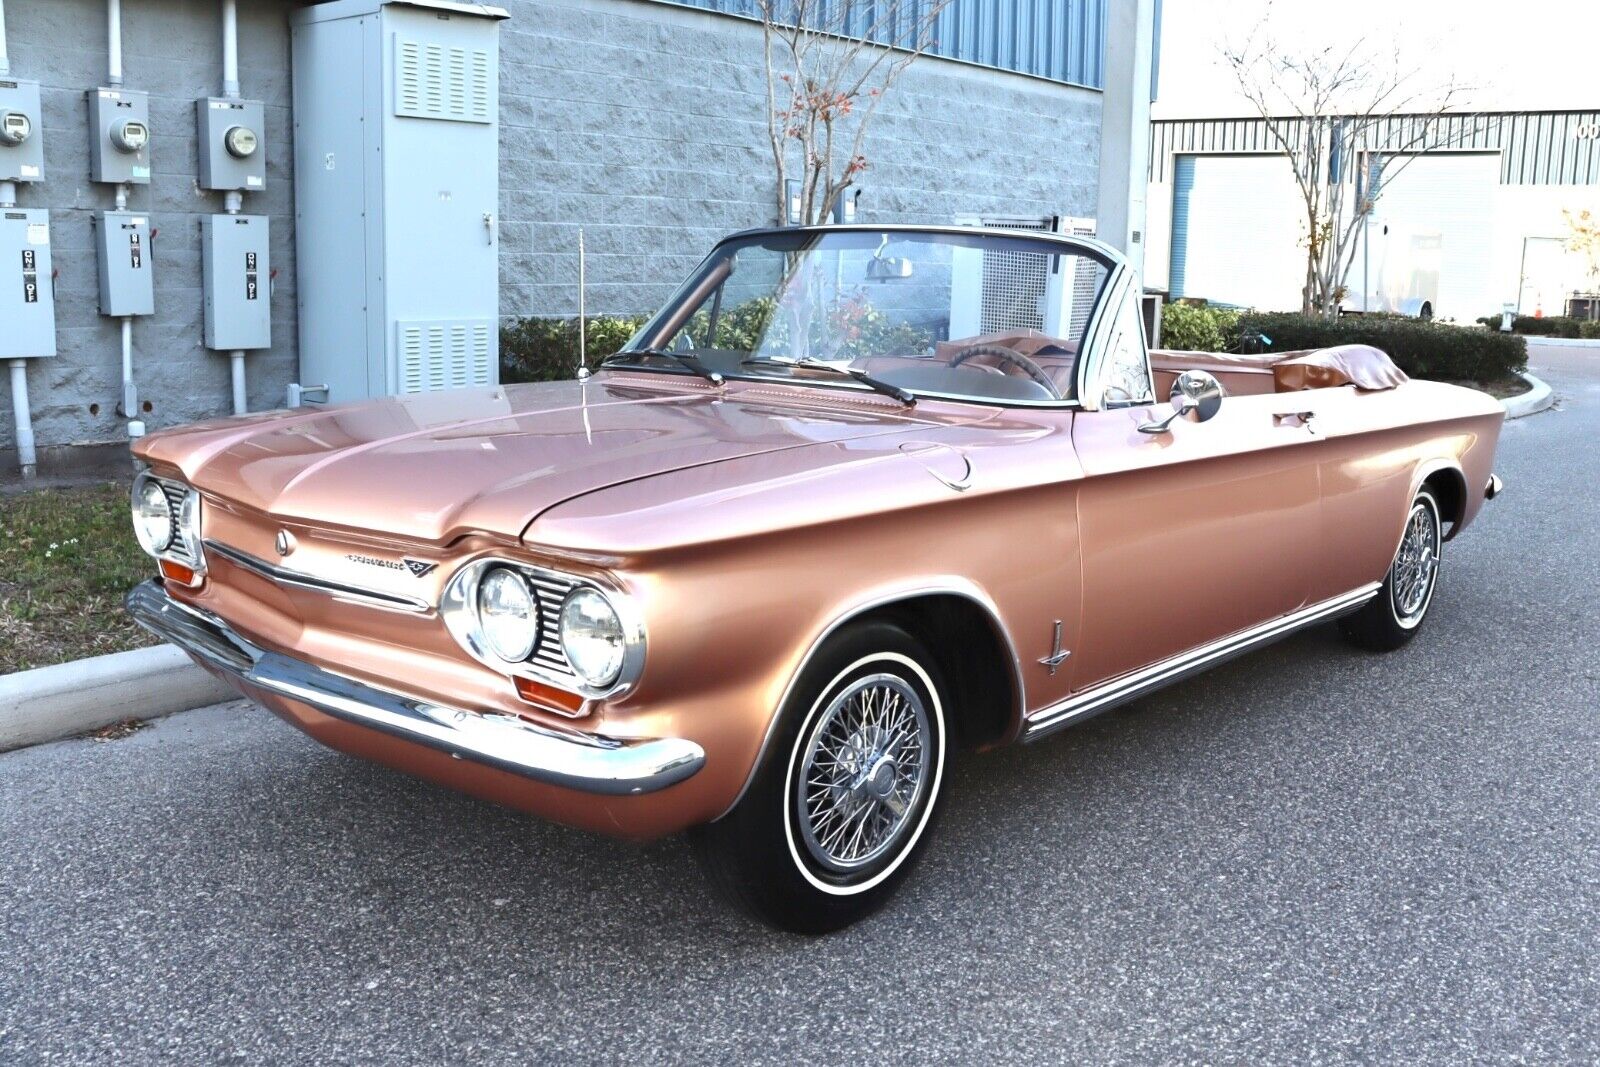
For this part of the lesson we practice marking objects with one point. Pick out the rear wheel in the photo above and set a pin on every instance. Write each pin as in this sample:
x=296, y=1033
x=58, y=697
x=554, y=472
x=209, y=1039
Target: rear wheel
x=1395, y=615
x=848, y=789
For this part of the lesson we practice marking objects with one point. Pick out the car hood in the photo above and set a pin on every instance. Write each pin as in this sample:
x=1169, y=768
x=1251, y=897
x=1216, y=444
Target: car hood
x=432, y=467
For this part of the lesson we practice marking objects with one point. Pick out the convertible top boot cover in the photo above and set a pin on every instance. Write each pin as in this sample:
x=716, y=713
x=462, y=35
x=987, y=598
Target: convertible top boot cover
x=1362, y=366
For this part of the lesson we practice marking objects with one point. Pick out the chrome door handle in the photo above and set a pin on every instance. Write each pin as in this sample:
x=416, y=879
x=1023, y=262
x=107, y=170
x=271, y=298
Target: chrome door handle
x=1301, y=419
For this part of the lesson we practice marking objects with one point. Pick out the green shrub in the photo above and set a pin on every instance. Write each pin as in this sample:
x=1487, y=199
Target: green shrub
x=1589, y=330
x=546, y=350
x=1421, y=349
x=1194, y=328
x=1541, y=326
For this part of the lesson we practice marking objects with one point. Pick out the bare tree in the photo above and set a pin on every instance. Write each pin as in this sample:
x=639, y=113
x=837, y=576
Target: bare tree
x=1348, y=119
x=1584, y=239
x=828, y=65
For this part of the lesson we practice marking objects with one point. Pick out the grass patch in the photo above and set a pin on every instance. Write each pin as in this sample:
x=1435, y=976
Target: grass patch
x=67, y=559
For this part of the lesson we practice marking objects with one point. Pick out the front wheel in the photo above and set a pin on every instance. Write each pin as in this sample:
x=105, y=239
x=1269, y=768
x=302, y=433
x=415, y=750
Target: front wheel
x=847, y=790
x=1394, y=616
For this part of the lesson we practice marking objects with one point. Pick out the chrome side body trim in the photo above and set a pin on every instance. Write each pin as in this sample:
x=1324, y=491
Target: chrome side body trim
x=1132, y=686
x=590, y=763
x=300, y=580
x=855, y=612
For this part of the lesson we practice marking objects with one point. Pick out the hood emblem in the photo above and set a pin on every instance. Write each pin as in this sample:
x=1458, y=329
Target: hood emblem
x=417, y=567
x=284, y=542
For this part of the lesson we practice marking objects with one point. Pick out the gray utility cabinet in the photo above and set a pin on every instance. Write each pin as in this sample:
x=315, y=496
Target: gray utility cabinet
x=397, y=156
x=27, y=299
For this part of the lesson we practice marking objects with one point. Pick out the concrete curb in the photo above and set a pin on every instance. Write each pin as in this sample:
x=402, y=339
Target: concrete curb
x=1536, y=399
x=1562, y=342
x=49, y=703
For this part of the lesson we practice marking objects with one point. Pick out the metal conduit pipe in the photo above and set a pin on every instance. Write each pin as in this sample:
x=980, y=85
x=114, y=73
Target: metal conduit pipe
x=21, y=411
x=233, y=200
x=114, y=43
x=230, y=49
x=5, y=55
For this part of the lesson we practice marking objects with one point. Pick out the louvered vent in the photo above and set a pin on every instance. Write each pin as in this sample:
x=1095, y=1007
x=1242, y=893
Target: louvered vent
x=444, y=355
x=435, y=81
x=1013, y=282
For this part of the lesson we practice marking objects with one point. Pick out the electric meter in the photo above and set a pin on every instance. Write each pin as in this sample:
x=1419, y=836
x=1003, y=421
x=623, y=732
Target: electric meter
x=241, y=142
x=15, y=127
x=130, y=135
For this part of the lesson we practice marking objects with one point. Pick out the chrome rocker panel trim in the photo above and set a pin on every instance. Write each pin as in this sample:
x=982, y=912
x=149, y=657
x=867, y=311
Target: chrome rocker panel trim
x=589, y=763
x=338, y=590
x=1132, y=686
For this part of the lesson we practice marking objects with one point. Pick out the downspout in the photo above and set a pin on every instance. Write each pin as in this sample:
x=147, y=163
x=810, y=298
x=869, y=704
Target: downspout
x=233, y=200
x=27, y=453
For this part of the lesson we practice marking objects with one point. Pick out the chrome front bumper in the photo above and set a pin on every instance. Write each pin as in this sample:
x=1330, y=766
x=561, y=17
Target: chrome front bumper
x=586, y=762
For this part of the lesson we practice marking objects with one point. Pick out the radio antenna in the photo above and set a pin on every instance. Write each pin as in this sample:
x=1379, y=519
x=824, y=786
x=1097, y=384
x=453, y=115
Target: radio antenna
x=583, y=352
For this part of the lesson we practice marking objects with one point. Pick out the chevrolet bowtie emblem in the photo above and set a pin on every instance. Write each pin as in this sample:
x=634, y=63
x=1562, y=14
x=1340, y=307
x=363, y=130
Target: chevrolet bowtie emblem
x=417, y=567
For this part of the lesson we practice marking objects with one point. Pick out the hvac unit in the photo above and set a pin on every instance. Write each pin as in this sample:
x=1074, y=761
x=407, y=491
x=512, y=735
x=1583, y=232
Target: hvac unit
x=396, y=142
x=1017, y=290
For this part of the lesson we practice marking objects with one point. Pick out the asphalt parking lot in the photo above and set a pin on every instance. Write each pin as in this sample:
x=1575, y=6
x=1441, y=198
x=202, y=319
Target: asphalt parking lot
x=1308, y=854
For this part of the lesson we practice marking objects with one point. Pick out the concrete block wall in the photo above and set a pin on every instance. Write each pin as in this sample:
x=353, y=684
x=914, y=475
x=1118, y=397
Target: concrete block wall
x=172, y=49
x=641, y=121
x=645, y=123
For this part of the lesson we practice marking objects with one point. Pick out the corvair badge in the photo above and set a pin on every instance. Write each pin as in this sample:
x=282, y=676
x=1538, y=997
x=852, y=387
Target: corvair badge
x=417, y=567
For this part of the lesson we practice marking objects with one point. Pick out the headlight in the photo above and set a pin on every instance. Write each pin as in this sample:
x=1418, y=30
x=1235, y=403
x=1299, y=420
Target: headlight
x=592, y=637
x=508, y=615
x=152, y=517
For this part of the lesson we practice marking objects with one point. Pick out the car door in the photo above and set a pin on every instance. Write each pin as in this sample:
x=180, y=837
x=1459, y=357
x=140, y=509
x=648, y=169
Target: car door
x=1193, y=534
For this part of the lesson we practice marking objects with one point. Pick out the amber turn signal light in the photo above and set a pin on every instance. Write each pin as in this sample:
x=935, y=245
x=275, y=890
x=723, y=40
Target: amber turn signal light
x=177, y=572
x=549, y=697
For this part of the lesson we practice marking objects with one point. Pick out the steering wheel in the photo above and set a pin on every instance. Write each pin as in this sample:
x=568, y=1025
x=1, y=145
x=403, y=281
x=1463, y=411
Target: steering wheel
x=1011, y=359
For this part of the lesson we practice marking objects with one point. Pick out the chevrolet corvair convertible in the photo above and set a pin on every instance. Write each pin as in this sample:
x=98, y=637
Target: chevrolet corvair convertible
x=855, y=497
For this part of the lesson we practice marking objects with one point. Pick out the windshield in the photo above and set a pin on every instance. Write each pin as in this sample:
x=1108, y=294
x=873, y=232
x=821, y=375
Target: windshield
x=981, y=316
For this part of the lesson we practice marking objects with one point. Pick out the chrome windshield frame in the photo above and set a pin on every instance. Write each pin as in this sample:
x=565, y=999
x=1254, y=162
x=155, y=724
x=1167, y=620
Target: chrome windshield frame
x=686, y=298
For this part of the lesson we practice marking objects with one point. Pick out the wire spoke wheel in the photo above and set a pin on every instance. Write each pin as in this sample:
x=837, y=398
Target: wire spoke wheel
x=1416, y=565
x=865, y=768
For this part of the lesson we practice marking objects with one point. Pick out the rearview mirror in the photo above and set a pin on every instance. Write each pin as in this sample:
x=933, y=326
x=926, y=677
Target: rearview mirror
x=883, y=268
x=1196, y=396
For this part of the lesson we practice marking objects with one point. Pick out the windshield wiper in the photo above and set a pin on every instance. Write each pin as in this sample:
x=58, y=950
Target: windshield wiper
x=905, y=396
x=683, y=359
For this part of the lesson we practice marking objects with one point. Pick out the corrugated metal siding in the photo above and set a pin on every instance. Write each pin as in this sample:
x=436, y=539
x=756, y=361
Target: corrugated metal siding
x=1536, y=148
x=1063, y=40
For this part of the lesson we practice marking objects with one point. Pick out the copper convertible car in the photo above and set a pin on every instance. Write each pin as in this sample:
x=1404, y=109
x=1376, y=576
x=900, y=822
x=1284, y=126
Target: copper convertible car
x=856, y=496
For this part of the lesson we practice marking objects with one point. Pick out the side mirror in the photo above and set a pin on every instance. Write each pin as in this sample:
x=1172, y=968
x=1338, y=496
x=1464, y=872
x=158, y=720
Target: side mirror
x=1196, y=396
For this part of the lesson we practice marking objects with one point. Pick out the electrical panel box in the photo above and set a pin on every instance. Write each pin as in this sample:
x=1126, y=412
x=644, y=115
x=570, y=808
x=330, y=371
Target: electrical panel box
x=21, y=131
x=127, y=286
x=119, y=136
x=233, y=144
x=27, y=296
x=237, y=277
x=397, y=162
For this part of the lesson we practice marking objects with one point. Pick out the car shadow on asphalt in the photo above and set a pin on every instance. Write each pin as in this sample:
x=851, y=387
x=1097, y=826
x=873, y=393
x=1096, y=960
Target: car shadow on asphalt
x=399, y=846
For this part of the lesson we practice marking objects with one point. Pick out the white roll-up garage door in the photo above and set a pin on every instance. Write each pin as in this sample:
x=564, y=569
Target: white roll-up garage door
x=1439, y=211
x=1237, y=230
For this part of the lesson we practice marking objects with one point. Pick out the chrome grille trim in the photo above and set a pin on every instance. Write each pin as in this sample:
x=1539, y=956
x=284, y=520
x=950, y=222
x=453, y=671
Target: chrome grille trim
x=301, y=580
x=548, y=663
x=176, y=493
